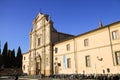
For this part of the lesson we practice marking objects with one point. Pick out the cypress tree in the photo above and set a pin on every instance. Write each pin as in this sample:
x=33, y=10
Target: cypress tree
x=9, y=58
x=13, y=61
x=19, y=58
x=5, y=55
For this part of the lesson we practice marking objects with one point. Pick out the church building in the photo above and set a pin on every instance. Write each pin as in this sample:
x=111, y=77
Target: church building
x=42, y=39
x=53, y=52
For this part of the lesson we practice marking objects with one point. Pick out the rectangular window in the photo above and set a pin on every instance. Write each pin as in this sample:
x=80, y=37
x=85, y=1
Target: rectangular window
x=38, y=41
x=56, y=50
x=68, y=47
x=68, y=63
x=87, y=58
x=115, y=34
x=117, y=55
x=85, y=42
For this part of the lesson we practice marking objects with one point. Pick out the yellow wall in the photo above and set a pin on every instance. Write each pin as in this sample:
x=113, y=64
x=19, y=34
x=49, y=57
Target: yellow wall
x=101, y=49
x=25, y=63
x=69, y=54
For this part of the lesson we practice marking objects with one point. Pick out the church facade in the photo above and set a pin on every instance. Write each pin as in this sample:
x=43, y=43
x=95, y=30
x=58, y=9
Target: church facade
x=42, y=39
x=53, y=52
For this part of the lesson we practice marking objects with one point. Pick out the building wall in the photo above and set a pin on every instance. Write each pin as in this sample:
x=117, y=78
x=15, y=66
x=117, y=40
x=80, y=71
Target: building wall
x=100, y=48
x=61, y=56
x=25, y=61
x=115, y=46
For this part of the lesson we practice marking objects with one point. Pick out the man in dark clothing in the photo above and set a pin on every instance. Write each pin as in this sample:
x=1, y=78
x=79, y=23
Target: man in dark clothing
x=16, y=77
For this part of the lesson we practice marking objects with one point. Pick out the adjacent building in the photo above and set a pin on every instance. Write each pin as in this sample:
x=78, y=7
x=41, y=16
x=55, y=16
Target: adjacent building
x=53, y=52
x=93, y=52
x=25, y=63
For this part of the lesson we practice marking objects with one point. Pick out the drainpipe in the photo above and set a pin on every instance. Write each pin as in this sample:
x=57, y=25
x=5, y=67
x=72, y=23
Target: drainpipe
x=112, y=52
x=75, y=57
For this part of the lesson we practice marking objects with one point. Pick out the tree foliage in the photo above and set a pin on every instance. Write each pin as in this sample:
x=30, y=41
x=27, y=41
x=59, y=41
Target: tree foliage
x=13, y=59
x=8, y=58
x=5, y=55
x=19, y=58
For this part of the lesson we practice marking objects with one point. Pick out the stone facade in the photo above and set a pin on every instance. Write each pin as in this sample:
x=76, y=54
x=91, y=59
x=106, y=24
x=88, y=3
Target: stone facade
x=53, y=52
x=42, y=38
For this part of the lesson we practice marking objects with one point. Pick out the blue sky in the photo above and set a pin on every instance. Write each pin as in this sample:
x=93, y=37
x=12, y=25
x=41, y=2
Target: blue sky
x=69, y=16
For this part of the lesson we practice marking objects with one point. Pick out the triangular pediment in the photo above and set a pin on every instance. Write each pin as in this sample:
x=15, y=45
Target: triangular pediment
x=39, y=17
x=39, y=20
x=42, y=20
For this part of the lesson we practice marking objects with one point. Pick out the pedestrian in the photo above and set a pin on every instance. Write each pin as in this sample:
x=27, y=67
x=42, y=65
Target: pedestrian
x=16, y=77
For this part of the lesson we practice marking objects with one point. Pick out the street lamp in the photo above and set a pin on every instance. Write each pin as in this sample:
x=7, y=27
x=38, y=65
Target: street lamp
x=100, y=59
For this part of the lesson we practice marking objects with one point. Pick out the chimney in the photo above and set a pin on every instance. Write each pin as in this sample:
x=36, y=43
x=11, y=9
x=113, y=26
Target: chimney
x=100, y=24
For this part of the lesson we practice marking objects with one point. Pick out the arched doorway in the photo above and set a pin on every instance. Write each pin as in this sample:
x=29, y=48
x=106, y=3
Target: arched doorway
x=38, y=65
x=37, y=68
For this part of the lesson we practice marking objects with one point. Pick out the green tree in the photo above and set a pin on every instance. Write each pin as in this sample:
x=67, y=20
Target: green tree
x=19, y=58
x=5, y=55
x=13, y=61
x=10, y=58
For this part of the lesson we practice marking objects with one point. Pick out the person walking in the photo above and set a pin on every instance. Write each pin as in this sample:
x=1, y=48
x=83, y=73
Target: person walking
x=16, y=77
